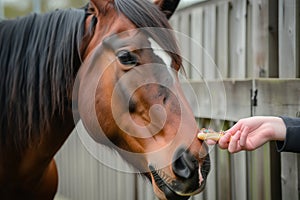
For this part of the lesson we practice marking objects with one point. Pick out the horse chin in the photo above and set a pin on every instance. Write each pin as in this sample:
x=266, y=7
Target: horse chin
x=176, y=189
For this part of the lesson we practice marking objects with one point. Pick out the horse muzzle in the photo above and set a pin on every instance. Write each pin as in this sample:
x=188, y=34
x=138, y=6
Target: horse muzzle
x=190, y=176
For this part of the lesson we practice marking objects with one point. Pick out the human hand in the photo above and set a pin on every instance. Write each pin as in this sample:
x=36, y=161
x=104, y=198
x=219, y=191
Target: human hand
x=251, y=133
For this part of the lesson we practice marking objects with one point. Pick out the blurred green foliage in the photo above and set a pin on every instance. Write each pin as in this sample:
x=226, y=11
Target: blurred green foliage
x=11, y=10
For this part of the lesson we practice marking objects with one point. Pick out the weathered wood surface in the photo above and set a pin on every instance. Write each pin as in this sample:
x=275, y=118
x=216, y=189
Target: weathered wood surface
x=222, y=43
x=258, y=34
x=237, y=39
x=197, y=16
x=288, y=55
x=84, y=177
x=290, y=176
x=230, y=99
x=247, y=45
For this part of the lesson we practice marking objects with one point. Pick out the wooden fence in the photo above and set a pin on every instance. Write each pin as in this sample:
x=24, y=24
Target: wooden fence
x=255, y=47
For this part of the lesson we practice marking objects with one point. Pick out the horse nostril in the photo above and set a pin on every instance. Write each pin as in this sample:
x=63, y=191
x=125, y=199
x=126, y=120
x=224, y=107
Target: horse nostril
x=184, y=164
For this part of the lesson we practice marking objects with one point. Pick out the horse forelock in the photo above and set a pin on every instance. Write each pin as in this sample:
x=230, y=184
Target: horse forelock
x=39, y=58
x=147, y=16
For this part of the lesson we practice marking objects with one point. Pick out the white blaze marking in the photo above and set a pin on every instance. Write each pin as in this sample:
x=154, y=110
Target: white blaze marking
x=162, y=54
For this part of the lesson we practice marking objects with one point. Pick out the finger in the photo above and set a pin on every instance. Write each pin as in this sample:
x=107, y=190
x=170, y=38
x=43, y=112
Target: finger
x=233, y=146
x=210, y=142
x=244, y=136
x=235, y=128
x=224, y=141
x=237, y=149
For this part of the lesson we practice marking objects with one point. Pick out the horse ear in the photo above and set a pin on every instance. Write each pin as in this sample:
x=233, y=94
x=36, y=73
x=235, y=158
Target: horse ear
x=167, y=6
x=99, y=6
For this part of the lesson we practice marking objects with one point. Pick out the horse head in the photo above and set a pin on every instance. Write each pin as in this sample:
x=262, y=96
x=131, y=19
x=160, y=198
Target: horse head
x=130, y=99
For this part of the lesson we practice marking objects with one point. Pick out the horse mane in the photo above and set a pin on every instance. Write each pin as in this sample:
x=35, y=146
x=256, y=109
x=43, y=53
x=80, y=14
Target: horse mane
x=39, y=59
x=145, y=14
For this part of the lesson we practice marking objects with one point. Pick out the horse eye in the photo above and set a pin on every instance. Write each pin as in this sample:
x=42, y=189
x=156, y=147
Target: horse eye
x=127, y=58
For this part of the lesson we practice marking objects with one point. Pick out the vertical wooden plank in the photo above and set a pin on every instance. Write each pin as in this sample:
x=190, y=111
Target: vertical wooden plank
x=209, y=42
x=223, y=167
x=197, y=44
x=145, y=190
x=259, y=186
x=249, y=41
x=80, y=170
x=288, y=68
x=67, y=166
x=239, y=176
x=273, y=39
x=259, y=45
x=93, y=176
x=107, y=176
x=210, y=191
x=211, y=186
x=126, y=182
x=237, y=39
x=287, y=39
x=223, y=175
x=140, y=190
x=71, y=179
x=58, y=158
x=102, y=174
x=275, y=172
x=75, y=169
x=260, y=173
x=184, y=29
x=174, y=21
x=238, y=31
x=222, y=39
x=289, y=176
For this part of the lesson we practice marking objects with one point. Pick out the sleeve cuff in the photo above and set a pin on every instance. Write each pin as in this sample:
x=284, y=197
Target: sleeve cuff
x=280, y=145
x=291, y=142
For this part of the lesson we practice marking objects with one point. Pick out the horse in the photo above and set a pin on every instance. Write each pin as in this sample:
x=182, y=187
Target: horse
x=113, y=65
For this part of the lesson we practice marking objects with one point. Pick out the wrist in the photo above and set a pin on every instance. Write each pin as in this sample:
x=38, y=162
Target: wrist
x=279, y=129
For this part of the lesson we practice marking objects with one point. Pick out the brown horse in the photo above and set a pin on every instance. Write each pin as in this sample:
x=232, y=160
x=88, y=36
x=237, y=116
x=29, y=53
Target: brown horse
x=126, y=93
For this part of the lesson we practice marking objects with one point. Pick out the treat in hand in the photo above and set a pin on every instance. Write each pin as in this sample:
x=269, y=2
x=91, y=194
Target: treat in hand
x=209, y=134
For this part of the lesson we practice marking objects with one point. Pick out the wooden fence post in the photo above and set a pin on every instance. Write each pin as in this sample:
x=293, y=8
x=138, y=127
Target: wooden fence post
x=288, y=68
x=287, y=39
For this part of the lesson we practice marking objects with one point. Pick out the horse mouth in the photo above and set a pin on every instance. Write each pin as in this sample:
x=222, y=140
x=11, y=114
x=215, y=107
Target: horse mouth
x=177, y=189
